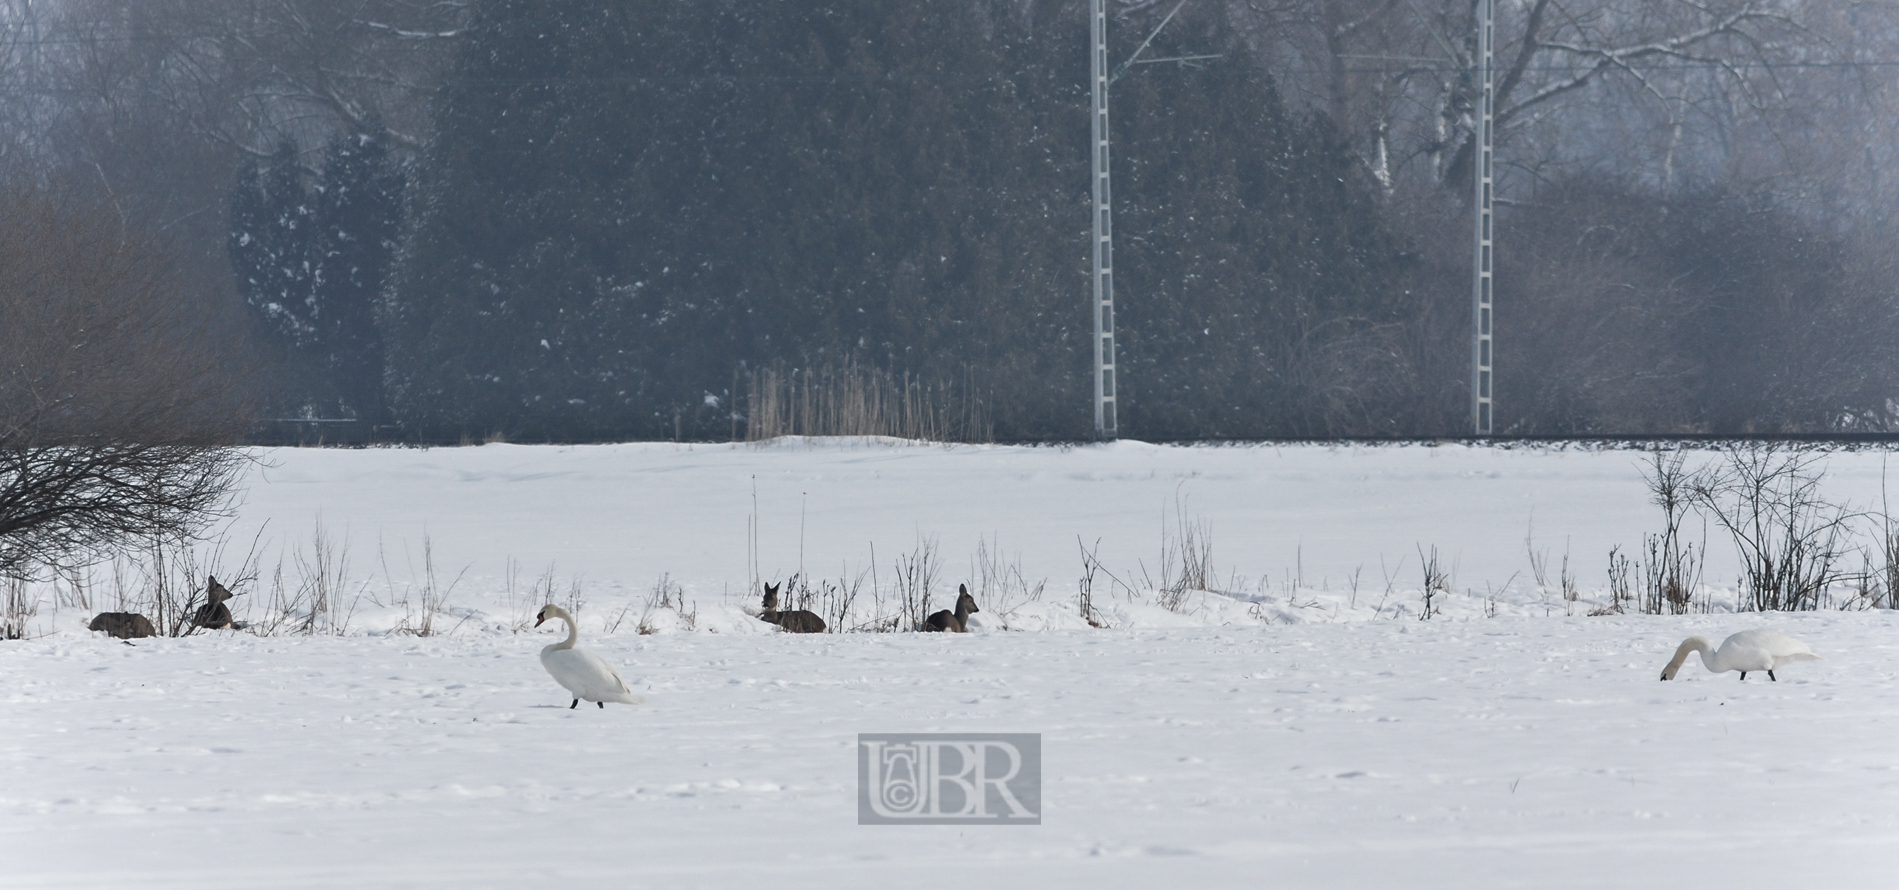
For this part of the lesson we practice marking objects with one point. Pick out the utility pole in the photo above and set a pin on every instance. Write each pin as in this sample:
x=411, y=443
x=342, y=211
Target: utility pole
x=1104, y=234
x=1102, y=77
x=1481, y=350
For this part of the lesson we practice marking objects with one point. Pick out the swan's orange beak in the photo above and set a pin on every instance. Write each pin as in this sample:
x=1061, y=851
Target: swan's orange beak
x=540, y=618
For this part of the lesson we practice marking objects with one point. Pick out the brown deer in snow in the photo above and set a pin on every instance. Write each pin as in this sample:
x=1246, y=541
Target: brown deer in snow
x=957, y=621
x=123, y=625
x=214, y=613
x=797, y=621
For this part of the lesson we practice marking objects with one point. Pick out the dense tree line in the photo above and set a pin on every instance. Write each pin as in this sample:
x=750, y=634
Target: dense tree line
x=311, y=262
x=581, y=220
x=731, y=185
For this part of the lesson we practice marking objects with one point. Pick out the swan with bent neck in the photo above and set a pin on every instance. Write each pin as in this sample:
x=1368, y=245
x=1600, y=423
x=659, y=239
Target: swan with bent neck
x=1749, y=650
x=582, y=673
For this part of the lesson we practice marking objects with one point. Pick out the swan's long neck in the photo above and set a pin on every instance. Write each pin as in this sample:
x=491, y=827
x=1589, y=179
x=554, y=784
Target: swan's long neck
x=1692, y=644
x=573, y=633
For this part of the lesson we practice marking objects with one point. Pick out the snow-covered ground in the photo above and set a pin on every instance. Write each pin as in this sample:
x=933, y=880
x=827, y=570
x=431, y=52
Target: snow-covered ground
x=1292, y=735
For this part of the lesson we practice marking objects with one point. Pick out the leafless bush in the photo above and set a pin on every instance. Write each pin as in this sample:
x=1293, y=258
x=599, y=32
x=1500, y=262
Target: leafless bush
x=831, y=601
x=1621, y=588
x=1791, y=540
x=1868, y=586
x=1565, y=576
x=116, y=406
x=1186, y=560
x=1437, y=582
x=322, y=581
x=999, y=583
x=666, y=595
x=317, y=595
x=576, y=598
x=1090, y=566
x=916, y=577
x=1568, y=582
x=853, y=400
x=1671, y=567
x=430, y=597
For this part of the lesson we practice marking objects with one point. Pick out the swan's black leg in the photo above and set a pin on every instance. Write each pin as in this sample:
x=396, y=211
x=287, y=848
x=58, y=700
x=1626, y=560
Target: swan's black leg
x=1770, y=676
x=603, y=705
x=1743, y=675
x=576, y=704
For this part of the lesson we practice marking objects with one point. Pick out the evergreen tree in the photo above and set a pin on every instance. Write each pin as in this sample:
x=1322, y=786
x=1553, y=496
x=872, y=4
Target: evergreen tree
x=1254, y=277
x=312, y=261
x=358, y=218
x=272, y=246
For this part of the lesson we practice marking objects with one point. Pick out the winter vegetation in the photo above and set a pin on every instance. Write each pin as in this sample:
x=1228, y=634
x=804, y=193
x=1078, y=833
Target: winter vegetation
x=809, y=535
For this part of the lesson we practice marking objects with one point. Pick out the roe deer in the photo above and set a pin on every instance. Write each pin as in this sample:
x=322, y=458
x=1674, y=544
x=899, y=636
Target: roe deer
x=214, y=613
x=957, y=621
x=123, y=625
x=797, y=621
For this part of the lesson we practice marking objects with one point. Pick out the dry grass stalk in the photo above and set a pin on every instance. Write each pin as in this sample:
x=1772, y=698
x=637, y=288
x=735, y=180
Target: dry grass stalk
x=853, y=400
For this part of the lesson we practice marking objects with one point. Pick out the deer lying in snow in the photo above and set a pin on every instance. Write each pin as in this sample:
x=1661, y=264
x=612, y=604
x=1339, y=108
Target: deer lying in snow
x=123, y=625
x=214, y=613
x=957, y=621
x=797, y=621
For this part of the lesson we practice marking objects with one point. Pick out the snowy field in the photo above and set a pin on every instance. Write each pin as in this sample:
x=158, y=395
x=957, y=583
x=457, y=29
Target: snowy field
x=1294, y=732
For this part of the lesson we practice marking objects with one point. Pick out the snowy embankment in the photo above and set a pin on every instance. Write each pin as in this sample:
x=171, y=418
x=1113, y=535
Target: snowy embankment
x=1297, y=533
x=1305, y=733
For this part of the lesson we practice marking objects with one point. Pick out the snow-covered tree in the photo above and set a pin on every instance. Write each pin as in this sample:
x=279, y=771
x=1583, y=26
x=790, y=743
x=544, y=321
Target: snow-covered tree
x=312, y=261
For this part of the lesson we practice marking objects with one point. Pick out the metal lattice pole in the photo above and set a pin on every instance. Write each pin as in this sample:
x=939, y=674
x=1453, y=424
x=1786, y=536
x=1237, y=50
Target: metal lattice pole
x=1481, y=350
x=1103, y=239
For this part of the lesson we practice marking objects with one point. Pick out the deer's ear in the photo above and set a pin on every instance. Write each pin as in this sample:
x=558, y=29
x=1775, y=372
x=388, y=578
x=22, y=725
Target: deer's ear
x=962, y=588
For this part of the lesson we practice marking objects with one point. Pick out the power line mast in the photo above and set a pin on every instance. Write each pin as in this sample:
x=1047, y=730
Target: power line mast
x=1105, y=427
x=1481, y=350
x=1101, y=77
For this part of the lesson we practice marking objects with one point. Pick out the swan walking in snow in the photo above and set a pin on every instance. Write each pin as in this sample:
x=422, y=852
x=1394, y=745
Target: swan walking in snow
x=583, y=673
x=1749, y=650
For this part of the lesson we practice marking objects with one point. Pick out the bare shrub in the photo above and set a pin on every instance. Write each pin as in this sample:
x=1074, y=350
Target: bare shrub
x=521, y=604
x=916, y=577
x=576, y=598
x=1886, y=569
x=1571, y=594
x=833, y=602
x=1621, y=587
x=1437, y=583
x=424, y=597
x=665, y=595
x=1186, y=560
x=1565, y=576
x=1671, y=567
x=1090, y=566
x=116, y=401
x=1791, y=541
x=999, y=580
x=323, y=577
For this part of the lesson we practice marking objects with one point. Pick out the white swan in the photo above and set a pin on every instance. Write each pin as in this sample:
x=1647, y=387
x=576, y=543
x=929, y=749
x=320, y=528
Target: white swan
x=1749, y=650
x=583, y=673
